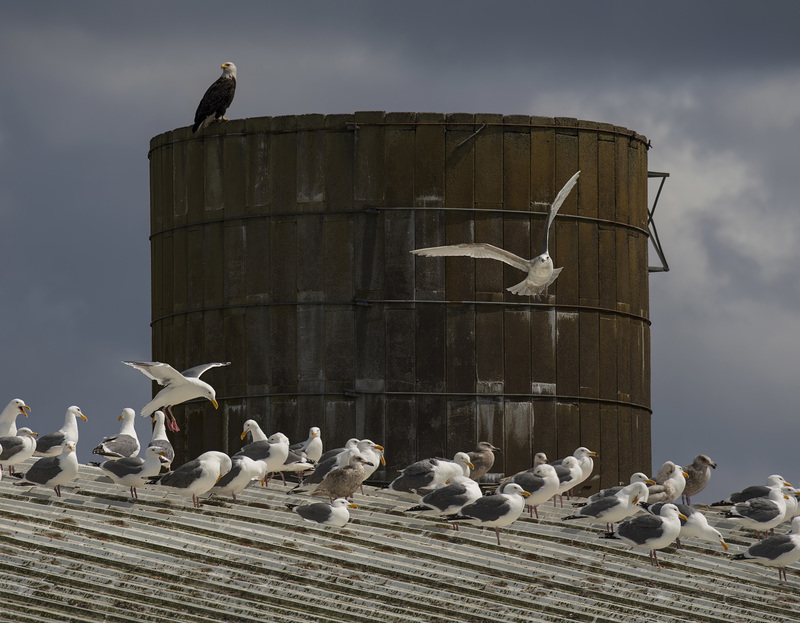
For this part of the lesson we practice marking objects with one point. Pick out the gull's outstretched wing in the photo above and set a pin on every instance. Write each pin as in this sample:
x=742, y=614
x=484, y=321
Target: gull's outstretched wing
x=476, y=250
x=553, y=210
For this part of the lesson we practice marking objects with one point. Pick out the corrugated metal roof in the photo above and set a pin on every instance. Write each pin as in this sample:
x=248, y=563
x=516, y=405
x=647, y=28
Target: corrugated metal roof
x=93, y=555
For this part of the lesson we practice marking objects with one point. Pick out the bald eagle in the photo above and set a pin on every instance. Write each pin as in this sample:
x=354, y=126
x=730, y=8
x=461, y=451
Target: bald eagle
x=217, y=98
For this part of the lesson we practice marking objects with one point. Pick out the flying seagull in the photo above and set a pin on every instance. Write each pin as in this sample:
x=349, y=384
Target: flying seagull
x=216, y=99
x=540, y=269
x=178, y=386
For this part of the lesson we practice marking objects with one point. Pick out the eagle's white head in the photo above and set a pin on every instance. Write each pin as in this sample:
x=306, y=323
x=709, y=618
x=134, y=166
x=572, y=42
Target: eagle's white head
x=229, y=70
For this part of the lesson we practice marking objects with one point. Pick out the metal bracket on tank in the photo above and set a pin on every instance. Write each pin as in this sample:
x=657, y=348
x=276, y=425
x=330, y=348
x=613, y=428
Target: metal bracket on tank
x=651, y=226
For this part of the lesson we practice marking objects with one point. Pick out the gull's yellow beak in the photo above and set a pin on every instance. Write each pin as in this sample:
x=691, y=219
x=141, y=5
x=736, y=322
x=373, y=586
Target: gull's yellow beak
x=685, y=475
x=24, y=410
x=525, y=494
x=119, y=419
x=724, y=544
x=84, y=418
x=243, y=435
x=214, y=402
x=650, y=481
x=682, y=516
x=352, y=506
x=471, y=466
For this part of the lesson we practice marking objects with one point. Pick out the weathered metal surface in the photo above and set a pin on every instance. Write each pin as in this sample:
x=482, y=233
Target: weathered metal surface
x=93, y=555
x=282, y=245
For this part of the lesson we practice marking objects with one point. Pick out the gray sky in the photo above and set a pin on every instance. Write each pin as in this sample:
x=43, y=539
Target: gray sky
x=714, y=85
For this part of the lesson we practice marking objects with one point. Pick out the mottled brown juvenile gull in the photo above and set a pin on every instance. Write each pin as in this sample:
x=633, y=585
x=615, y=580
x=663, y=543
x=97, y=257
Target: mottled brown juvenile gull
x=51, y=444
x=670, y=482
x=540, y=269
x=541, y=482
x=695, y=525
x=17, y=448
x=134, y=471
x=197, y=476
x=699, y=474
x=330, y=460
x=342, y=482
x=760, y=514
x=242, y=472
x=482, y=458
x=614, y=508
x=160, y=440
x=53, y=471
x=428, y=473
x=311, y=447
x=8, y=417
x=494, y=511
x=124, y=444
x=334, y=514
x=651, y=532
x=778, y=551
x=179, y=387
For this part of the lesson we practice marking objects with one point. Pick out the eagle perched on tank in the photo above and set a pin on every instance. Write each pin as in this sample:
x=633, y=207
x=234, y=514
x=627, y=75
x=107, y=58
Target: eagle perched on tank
x=216, y=99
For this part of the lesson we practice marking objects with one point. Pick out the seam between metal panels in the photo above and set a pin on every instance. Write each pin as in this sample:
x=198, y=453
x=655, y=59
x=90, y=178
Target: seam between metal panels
x=376, y=209
x=367, y=302
x=355, y=393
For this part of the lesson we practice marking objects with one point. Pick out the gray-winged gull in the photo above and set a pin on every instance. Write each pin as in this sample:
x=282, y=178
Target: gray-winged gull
x=50, y=444
x=8, y=417
x=123, y=444
x=541, y=482
x=334, y=514
x=494, y=511
x=342, y=482
x=699, y=473
x=53, y=471
x=760, y=514
x=570, y=474
x=243, y=470
x=482, y=459
x=613, y=508
x=273, y=451
x=540, y=269
x=197, y=476
x=178, y=386
x=160, y=440
x=450, y=498
x=428, y=473
x=670, y=482
x=651, y=532
x=312, y=447
x=635, y=477
x=330, y=460
x=17, y=448
x=695, y=525
x=778, y=551
x=134, y=471
x=755, y=491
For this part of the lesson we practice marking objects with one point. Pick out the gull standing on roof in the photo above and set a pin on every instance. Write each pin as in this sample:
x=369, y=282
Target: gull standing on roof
x=53, y=471
x=51, y=444
x=124, y=444
x=273, y=450
x=670, y=482
x=695, y=525
x=541, y=482
x=482, y=458
x=330, y=460
x=334, y=514
x=651, y=532
x=570, y=474
x=540, y=269
x=428, y=473
x=635, y=477
x=312, y=447
x=8, y=417
x=343, y=482
x=450, y=498
x=495, y=511
x=775, y=481
x=134, y=471
x=198, y=476
x=160, y=440
x=178, y=386
x=585, y=460
x=17, y=448
x=614, y=508
x=760, y=514
x=243, y=470
x=699, y=474
x=778, y=551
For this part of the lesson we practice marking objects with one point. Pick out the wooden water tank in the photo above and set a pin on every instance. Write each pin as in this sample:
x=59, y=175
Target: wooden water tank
x=282, y=244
